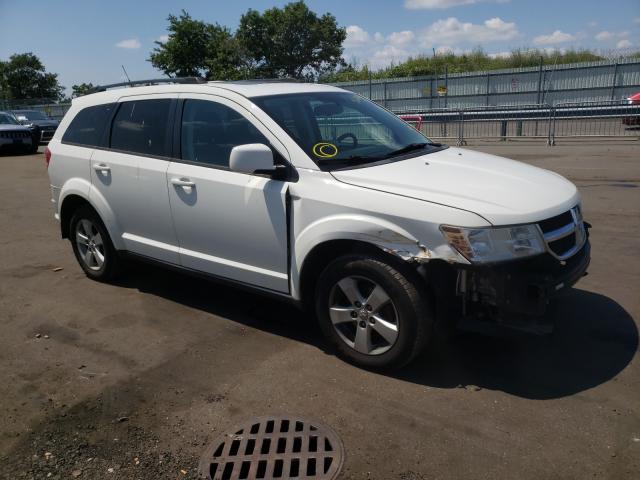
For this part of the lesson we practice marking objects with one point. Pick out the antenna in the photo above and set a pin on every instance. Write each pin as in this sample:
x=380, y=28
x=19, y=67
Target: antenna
x=125, y=74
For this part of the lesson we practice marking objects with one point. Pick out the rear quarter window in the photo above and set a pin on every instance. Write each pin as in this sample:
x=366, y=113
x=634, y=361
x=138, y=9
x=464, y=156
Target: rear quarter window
x=87, y=127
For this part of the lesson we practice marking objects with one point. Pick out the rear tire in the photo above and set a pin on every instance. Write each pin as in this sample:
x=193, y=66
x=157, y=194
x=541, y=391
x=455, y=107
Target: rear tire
x=92, y=246
x=374, y=314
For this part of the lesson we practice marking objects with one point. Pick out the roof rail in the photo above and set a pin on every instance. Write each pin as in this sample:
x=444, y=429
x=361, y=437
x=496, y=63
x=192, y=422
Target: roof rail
x=155, y=81
x=266, y=80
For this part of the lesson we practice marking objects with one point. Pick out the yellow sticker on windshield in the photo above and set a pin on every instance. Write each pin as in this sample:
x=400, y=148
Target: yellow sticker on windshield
x=325, y=150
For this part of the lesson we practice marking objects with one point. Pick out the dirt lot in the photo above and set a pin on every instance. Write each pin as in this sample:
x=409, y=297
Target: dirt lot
x=133, y=380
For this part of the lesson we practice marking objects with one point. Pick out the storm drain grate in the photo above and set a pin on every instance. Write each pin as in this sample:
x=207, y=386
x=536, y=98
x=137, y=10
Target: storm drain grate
x=274, y=447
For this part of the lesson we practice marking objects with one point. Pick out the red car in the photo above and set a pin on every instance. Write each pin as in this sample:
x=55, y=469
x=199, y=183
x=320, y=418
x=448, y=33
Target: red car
x=633, y=119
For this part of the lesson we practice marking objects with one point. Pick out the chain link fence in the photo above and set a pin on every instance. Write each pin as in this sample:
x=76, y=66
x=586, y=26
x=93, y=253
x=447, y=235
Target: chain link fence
x=53, y=110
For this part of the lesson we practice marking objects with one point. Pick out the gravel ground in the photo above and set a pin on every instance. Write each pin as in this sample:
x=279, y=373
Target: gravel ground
x=133, y=380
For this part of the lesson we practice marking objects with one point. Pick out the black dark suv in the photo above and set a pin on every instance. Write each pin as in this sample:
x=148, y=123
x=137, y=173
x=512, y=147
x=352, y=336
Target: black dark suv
x=40, y=124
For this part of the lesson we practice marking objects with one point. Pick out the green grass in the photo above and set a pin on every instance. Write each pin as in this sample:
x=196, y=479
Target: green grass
x=477, y=60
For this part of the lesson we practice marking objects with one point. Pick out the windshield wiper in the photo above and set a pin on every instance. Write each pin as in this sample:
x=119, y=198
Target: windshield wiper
x=354, y=159
x=408, y=148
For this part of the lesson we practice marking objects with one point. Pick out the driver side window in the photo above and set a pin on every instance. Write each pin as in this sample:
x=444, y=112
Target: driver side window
x=210, y=130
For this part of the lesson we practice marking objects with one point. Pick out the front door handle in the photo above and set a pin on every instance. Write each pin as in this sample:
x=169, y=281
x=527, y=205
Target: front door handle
x=182, y=182
x=102, y=167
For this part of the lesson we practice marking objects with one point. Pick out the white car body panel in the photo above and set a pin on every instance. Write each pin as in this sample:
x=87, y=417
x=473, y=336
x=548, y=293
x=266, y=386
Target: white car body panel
x=503, y=191
x=231, y=224
x=136, y=189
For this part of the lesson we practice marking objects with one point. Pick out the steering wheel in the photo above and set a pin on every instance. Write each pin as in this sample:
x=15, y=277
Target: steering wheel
x=348, y=135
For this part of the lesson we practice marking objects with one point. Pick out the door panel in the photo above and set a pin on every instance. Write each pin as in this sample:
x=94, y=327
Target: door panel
x=135, y=188
x=132, y=178
x=230, y=224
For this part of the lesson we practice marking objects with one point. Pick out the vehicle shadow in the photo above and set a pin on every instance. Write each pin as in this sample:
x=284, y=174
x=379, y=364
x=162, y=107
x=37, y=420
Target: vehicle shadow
x=594, y=340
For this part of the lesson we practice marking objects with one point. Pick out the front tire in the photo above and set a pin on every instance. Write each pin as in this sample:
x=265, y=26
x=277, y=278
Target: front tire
x=373, y=313
x=92, y=245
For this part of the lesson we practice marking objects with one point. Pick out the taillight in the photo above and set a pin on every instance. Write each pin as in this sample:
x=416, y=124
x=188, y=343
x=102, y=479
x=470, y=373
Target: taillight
x=47, y=156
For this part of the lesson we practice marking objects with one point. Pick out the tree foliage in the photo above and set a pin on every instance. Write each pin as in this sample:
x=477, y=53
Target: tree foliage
x=195, y=49
x=82, y=89
x=24, y=76
x=291, y=42
x=288, y=42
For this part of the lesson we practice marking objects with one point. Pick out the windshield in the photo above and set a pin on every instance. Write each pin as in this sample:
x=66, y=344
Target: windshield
x=6, y=119
x=33, y=115
x=339, y=129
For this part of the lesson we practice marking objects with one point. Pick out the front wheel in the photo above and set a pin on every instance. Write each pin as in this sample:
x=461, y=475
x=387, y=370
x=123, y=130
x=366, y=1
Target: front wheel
x=373, y=313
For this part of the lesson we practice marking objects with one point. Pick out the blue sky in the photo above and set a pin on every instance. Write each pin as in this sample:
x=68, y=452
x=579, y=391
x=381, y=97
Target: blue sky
x=88, y=40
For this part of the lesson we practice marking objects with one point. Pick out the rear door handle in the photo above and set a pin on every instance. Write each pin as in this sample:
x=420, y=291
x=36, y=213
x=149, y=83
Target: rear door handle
x=182, y=182
x=102, y=167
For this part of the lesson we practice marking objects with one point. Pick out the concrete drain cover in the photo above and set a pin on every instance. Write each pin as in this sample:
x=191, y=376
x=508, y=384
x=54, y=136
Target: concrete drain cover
x=274, y=447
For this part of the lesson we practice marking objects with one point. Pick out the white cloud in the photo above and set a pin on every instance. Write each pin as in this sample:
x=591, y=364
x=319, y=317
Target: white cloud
x=442, y=4
x=604, y=35
x=356, y=36
x=624, y=44
x=398, y=39
x=556, y=37
x=448, y=35
x=387, y=55
x=129, y=43
x=499, y=55
x=378, y=37
x=163, y=38
x=452, y=32
x=592, y=24
x=636, y=20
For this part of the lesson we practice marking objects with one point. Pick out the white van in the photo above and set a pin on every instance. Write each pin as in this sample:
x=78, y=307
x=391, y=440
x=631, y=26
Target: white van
x=316, y=195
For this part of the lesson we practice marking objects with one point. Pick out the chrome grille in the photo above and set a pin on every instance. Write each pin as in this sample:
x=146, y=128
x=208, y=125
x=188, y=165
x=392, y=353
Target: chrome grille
x=15, y=134
x=564, y=234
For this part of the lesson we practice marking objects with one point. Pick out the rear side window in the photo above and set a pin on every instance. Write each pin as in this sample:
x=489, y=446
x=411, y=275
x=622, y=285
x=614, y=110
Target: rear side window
x=210, y=130
x=141, y=127
x=87, y=127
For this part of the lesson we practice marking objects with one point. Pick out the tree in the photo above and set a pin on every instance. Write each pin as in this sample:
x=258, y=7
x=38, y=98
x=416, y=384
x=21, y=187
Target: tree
x=292, y=41
x=82, y=89
x=196, y=49
x=24, y=77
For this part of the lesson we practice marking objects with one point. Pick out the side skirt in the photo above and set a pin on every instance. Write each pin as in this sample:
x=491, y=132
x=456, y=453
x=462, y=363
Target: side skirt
x=286, y=297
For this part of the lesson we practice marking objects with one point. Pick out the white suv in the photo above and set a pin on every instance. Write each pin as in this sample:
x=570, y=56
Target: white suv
x=319, y=196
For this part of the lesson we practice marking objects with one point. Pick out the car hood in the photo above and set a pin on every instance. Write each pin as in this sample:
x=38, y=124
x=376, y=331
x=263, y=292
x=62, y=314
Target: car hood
x=44, y=123
x=6, y=127
x=502, y=191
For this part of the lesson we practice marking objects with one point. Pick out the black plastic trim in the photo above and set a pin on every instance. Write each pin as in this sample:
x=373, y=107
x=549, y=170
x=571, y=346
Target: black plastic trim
x=214, y=278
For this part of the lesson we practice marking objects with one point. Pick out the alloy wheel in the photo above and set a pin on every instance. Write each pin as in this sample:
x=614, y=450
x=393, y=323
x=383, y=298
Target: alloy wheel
x=90, y=244
x=363, y=315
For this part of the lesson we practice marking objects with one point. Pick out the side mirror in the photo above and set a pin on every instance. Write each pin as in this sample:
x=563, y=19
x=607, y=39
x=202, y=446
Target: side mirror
x=251, y=158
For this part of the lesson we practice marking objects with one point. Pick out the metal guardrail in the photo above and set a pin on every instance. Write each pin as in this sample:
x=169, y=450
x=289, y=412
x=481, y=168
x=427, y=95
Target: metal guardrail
x=538, y=121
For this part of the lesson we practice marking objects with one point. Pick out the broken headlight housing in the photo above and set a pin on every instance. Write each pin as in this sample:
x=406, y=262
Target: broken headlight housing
x=488, y=245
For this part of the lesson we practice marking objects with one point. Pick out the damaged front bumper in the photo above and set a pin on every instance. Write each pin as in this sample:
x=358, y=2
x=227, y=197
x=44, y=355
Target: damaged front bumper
x=518, y=293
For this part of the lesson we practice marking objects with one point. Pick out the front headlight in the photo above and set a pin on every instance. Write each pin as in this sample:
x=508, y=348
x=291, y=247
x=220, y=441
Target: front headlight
x=486, y=245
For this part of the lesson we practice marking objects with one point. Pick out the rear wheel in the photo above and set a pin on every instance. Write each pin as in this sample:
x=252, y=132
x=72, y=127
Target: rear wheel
x=92, y=245
x=372, y=313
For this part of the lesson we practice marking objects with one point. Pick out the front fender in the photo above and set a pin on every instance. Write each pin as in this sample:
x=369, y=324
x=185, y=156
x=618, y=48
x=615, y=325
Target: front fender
x=385, y=235
x=375, y=231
